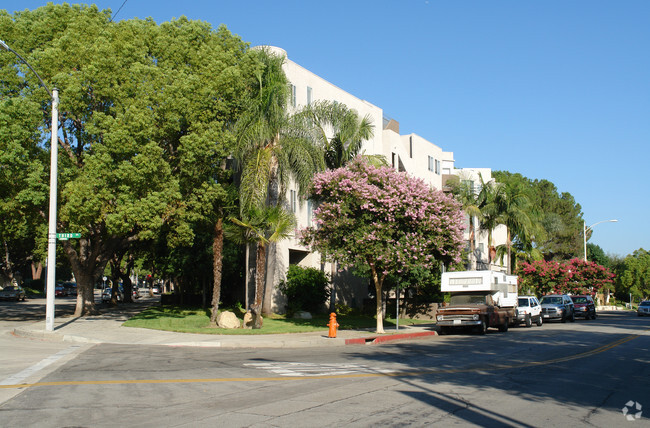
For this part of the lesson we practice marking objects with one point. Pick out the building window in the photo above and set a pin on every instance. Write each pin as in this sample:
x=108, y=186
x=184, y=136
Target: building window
x=310, y=212
x=309, y=95
x=293, y=201
x=438, y=167
x=293, y=95
x=411, y=146
x=431, y=163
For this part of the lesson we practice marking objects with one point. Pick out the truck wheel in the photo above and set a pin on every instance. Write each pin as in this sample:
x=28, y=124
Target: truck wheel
x=504, y=327
x=563, y=317
x=444, y=330
x=482, y=328
x=573, y=317
x=529, y=322
x=539, y=321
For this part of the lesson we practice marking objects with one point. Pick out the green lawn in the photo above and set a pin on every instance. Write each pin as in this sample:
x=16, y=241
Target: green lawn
x=185, y=320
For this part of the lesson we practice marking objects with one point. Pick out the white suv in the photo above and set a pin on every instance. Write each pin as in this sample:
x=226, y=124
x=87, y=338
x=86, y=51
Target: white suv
x=529, y=311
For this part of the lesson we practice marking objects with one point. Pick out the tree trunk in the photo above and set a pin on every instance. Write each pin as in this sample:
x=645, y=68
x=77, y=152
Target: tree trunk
x=260, y=271
x=88, y=266
x=380, y=297
x=273, y=201
x=85, y=294
x=7, y=266
x=271, y=261
x=115, y=279
x=217, y=264
x=37, y=270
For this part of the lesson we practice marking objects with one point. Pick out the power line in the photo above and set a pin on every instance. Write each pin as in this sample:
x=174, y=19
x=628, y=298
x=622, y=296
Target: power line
x=118, y=11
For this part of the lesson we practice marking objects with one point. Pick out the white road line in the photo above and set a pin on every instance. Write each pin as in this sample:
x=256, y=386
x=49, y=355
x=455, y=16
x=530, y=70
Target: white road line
x=308, y=369
x=19, y=377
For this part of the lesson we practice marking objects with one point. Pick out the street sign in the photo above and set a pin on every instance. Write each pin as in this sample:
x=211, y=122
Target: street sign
x=66, y=236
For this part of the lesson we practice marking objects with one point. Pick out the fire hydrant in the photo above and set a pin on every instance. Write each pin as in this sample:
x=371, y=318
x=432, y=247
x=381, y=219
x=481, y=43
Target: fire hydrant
x=332, y=325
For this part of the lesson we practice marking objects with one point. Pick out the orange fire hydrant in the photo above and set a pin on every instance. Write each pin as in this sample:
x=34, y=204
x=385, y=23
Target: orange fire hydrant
x=332, y=325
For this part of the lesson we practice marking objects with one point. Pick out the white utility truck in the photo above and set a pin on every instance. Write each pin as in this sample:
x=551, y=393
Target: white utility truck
x=479, y=299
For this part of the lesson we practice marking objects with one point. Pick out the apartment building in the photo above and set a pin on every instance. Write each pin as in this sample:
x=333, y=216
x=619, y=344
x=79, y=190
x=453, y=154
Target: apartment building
x=410, y=153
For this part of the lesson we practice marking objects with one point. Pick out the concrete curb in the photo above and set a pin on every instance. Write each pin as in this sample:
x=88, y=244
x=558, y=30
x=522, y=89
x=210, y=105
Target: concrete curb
x=108, y=333
x=374, y=340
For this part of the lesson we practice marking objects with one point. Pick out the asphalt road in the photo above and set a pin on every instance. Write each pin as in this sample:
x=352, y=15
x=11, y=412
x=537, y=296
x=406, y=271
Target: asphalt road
x=573, y=374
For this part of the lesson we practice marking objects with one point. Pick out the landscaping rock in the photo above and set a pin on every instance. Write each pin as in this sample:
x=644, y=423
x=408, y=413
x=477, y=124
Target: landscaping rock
x=227, y=319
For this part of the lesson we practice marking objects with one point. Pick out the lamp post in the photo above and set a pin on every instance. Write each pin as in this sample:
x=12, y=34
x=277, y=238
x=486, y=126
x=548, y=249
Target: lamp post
x=585, y=229
x=51, y=235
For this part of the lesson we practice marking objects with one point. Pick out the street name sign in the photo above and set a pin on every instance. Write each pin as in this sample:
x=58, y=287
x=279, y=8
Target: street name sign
x=66, y=236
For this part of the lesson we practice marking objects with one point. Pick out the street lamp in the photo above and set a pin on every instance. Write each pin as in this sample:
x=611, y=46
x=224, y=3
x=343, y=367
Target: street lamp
x=585, y=229
x=51, y=235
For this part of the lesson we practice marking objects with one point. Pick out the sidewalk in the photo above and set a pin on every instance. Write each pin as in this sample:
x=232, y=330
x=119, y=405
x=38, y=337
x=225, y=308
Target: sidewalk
x=107, y=328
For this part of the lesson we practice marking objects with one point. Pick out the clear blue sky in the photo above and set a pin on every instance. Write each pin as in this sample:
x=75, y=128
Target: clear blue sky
x=552, y=89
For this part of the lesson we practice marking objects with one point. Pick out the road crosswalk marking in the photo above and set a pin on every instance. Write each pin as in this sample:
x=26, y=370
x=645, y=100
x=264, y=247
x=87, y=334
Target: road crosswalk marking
x=21, y=376
x=287, y=368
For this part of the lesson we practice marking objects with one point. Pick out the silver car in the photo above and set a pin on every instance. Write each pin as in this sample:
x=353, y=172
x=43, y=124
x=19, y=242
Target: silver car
x=557, y=306
x=644, y=309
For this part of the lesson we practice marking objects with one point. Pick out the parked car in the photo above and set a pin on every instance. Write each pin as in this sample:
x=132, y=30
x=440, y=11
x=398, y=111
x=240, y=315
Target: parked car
x=60, y=291
x=529, y=311
x=70, y=288
x=644, y=308
x=584, y=306
x=12, y=292
x=557, y=306
x=155, y=289
x=108, y=293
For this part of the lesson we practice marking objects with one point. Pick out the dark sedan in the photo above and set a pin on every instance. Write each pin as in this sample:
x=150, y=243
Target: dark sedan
x=12, y=292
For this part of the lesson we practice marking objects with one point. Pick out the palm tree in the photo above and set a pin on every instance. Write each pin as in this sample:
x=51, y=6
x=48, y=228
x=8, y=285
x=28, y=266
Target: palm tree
x=272, y=148
x=510, y=205
x=263, y=226
x=348, y=131
x=489, y=218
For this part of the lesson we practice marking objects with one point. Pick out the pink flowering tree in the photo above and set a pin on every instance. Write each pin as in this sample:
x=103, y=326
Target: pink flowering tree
x=542, y=277
x=575, y=276
x=384, y=220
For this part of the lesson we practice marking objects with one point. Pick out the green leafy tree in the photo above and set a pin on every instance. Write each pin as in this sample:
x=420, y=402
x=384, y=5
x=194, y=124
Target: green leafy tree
x=596, y=254
x=143, y=107
x=383, y=220
x=556, y=217
x=635, y=275
x=23, y=184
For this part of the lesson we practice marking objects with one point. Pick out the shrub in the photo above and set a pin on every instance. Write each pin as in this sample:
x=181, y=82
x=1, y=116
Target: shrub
x=306, y=289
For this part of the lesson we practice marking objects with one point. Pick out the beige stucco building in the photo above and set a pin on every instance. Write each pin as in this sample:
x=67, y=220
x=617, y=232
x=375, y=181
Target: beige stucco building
x=411, y=153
